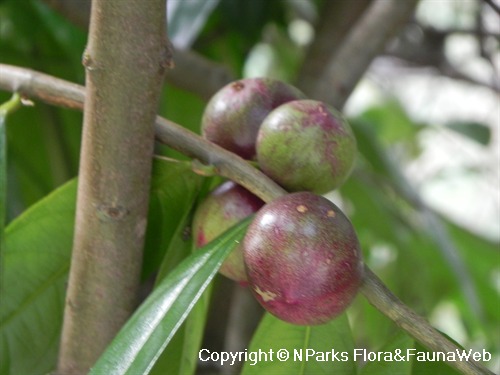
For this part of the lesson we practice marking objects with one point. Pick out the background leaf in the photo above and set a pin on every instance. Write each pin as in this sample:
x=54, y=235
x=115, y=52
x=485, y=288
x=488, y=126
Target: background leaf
x=275, y=334
x=473, y=130
x=37, y=254
x=186, y=18
x=398, y=342
x=174, y=190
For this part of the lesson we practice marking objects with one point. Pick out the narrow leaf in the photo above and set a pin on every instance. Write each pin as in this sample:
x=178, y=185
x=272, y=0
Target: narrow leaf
x=139, y=344
x=300, y=350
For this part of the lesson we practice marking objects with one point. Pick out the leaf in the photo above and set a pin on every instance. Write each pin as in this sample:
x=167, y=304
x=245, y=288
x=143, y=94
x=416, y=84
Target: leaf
x=391, y=121
x=138, y=345
x=398, y=344
x=36, y=264
x=186, y=19
x=3, y=186
x=38, y=247
x=431, y=367
x=473, y=130
x=174, y=189
x=181, y=355
x=311, y=349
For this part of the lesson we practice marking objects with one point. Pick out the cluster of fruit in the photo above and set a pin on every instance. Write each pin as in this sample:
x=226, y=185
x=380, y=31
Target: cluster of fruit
x=300, y=256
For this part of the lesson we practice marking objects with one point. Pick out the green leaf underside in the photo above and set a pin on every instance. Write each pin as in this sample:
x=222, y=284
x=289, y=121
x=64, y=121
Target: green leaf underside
x=37, y=255
x=319, y=342
x=139, y=344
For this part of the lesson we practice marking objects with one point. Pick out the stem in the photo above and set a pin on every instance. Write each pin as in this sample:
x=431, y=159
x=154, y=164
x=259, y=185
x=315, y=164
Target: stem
x=235, y=168
x=382, y=298
x=337, y=19
x=123, y=80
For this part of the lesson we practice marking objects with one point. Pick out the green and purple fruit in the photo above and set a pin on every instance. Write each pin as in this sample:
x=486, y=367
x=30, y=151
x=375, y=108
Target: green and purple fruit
x=233, y=115
x=306, y=145
x=227, y=205
x=303, y=259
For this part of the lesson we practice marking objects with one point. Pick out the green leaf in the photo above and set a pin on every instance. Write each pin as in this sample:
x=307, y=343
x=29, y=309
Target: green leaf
x=391, y=121
x=174, y=189
x=3, y=187
x=431, y=367
x=138, y=345
x=311, y=349
x=5, y=109
x=181, y=355
x=38, y=247
x=476, y=131
x=36, y=264
x=398, y=344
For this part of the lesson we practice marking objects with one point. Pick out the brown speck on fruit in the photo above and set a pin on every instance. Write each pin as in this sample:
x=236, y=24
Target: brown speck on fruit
x=330, y=213
x=301, y=208
x=238, y=86
x=266, y=296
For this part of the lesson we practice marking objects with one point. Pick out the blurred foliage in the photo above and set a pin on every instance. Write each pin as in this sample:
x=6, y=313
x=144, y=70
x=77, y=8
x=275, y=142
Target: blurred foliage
x=43, y=144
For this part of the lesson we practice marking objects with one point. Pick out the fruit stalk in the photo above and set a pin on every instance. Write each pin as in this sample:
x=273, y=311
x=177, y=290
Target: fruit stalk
x=62, y=93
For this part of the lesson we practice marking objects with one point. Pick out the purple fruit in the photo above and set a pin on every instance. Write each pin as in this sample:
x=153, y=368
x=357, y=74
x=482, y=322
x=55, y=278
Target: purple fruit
x=224, y=207
x=233, y=116
x=306, y=145
x=303, y=259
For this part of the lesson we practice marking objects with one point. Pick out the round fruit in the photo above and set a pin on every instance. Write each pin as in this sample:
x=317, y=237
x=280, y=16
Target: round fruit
x=233, y=116
x=306, y=145
x=303, y=259
x=224, y=207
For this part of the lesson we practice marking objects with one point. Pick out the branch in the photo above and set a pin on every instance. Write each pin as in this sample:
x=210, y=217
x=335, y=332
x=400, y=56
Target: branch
x=233, y=167
x=379, y=23
x=493, y=6
x=337, y=18
x=123, y=80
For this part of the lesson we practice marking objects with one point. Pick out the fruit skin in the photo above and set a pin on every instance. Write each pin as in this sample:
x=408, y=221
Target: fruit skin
x=303, y=259
x=233, y=115
x=306, y=145
x=224, y=207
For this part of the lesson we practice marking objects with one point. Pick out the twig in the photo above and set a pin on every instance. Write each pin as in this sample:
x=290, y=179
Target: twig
x=123, y=80
x=235, y=168
x=337, y=19
x=493, y=6
x=379, y=23
x=382, y=298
